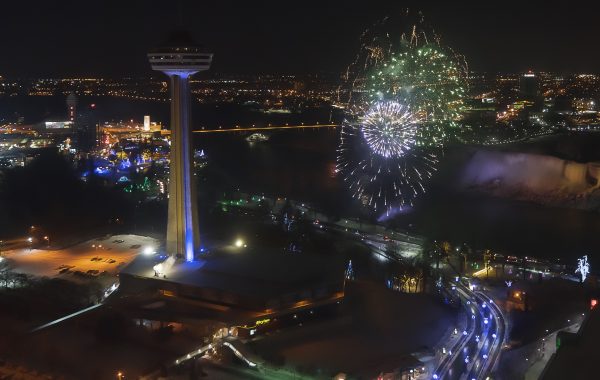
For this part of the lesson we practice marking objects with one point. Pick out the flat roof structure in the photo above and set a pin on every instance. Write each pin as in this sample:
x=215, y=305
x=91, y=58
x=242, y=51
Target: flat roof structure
x=258, y=281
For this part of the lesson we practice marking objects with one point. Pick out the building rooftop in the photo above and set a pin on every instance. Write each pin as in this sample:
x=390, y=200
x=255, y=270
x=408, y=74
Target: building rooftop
x=243, y=275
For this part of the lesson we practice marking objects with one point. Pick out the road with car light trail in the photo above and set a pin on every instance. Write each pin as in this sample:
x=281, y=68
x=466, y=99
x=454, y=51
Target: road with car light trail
x=477, y=353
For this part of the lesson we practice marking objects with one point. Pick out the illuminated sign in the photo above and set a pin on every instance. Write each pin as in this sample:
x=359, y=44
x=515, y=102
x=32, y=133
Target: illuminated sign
x=258, y=323
x=262, y=322
x=58, y=124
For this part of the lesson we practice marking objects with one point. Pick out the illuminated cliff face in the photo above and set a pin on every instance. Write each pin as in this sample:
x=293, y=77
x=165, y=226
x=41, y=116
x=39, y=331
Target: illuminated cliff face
x=503, y=173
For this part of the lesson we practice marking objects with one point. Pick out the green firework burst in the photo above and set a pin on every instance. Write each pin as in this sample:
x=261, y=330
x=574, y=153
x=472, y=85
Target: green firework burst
x=430, y=80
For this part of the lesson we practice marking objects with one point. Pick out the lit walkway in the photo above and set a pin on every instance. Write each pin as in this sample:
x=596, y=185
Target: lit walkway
x=66, y=317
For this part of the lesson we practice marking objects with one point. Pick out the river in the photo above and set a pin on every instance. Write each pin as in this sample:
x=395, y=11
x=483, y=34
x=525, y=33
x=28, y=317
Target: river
x=301, y=164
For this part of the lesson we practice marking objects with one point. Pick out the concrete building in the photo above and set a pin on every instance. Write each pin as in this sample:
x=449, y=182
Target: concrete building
x=180, y=58
x=577, y=354
x=529, y=86
x=237, y=283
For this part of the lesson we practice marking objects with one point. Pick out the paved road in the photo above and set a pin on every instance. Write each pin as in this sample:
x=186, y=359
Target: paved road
x=476, y=354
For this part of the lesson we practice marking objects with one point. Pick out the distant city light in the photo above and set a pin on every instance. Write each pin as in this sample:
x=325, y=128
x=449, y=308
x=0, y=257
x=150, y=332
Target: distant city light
x=349, y=271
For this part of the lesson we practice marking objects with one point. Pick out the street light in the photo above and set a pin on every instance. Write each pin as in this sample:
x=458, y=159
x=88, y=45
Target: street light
x=120, y=375
x=47, y=240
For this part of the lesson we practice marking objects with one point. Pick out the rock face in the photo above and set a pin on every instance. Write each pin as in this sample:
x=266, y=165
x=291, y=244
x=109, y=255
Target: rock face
x=544, y=179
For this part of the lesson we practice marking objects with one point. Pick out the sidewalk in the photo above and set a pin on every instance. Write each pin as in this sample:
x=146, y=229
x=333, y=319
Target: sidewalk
x=546, y=348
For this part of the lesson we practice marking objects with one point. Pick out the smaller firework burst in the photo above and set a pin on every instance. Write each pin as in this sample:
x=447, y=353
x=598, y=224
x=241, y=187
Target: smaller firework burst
x=381, y=158
x=389, y=128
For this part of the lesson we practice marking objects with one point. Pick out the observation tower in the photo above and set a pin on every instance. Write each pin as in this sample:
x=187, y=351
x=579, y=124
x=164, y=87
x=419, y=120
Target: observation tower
x=180, y=58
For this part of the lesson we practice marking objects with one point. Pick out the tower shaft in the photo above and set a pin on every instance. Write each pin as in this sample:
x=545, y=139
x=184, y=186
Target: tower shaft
x=180, y=57
x=182, y=229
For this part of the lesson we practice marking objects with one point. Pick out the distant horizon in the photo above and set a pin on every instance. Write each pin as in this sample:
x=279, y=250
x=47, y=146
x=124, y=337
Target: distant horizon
x=212, y=75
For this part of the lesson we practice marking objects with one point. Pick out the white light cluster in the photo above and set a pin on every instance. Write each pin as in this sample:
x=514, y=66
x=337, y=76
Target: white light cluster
x=583, y=267
x=389, y=128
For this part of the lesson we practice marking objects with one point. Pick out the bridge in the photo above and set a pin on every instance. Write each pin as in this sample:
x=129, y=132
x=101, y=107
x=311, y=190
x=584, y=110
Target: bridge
x=266, y=128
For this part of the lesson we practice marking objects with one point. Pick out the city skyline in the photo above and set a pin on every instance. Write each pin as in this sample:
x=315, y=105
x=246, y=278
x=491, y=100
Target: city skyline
x=352, y=191
x=79, y=40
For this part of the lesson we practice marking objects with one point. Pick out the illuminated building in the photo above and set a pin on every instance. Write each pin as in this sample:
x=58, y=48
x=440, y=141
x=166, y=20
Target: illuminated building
x=584, y=105
x=480, y=110
x=180, y=58
x=146, y=123
x=529, y=86
x=87, y=128
x=71, y=107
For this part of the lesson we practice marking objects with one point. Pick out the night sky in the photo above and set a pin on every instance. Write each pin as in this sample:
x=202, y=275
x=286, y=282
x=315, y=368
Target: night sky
x=110, y=38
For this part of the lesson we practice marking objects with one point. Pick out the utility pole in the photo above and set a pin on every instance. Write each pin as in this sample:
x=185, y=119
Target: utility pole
x=486, y=261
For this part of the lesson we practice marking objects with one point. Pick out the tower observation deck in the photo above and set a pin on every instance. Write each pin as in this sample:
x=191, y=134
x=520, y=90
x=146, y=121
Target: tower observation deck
x=179, y=58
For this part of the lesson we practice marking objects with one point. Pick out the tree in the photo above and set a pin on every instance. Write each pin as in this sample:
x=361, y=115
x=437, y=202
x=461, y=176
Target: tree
x=47, y=192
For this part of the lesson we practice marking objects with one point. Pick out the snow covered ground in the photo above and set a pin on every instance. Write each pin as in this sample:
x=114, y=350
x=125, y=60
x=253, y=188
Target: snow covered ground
x=103, y=255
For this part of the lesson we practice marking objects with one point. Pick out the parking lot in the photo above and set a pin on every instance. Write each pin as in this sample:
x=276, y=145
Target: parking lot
x=98, y=257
